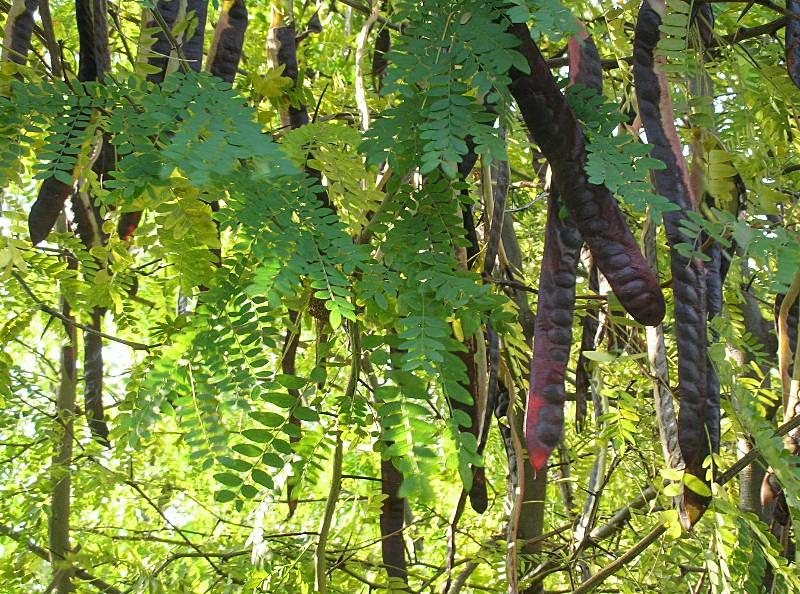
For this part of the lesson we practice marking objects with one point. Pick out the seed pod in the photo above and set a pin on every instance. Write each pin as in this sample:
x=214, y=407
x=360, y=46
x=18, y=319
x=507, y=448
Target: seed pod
x=226, y=49
x=793, y=41
x=92, y=20
x=284, y=38
x=698, y=429
x=589, y=325
x=94, y=58
x=18, y=31
x=555, y=129
x=380, y=64
x=544, y=416
x=157, y=48
x=50, y=201
x=193, y=47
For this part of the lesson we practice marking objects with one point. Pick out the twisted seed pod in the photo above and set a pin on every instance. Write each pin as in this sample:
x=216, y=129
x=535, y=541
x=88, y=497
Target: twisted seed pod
x=380, y=63
x=585, y=68
x=226, y=49
x=589, y=325
x=793, y=41
x=697, y=439
x=552, y=339
x=18, y=31
x=555, y=129
x=94, y=62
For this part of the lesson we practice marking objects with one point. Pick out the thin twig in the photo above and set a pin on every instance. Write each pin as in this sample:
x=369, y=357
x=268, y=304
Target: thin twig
x=138, y=346
x=366, y=10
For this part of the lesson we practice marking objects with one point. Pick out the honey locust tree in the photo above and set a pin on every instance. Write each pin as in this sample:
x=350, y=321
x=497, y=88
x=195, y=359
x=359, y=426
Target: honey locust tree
x=432, y=296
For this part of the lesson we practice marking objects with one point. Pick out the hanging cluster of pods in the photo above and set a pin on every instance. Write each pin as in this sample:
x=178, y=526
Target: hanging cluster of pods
x=592, y=218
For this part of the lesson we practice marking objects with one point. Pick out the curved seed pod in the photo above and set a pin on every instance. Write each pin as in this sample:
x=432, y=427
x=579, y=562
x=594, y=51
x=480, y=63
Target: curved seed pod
x=156, y=51
x=657, y=355
x=555, y=129
x=18, y=31
x=282, y=45
x=288, y=367
x=793, y=41
x=226, y=49
x=697, y=439
x=92, y=20
x=715, y=272
x=552, y=339
x=284, y=40
x=50, y=201
x=585, y=68
x=393, y=550
x=193, y=47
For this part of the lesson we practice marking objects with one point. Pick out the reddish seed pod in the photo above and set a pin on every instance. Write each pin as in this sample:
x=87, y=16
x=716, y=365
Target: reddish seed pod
x=544, y=416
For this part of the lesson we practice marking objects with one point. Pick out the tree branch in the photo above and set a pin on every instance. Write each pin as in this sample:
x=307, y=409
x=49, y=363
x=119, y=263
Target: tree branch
x=138, y=346
x=101, y=585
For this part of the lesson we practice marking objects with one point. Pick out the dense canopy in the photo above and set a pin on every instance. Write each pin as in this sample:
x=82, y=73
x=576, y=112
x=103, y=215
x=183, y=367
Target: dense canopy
x=419, y=296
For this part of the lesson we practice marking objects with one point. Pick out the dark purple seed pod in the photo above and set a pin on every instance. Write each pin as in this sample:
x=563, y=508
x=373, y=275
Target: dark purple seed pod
x=544, y=416
x=793, y=41
x=226, y=49
x=698, y=423
x=555, y=129
x=49, y=203
x=160, y=49
x=18, y=31
x=193, y=46
x=393, y=549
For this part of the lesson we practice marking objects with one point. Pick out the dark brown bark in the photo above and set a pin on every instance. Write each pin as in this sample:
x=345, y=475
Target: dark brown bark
x=393, y=550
